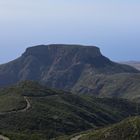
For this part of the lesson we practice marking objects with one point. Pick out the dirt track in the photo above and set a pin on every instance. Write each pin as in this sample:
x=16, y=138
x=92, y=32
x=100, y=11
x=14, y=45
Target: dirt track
x=22, y=110
x=17, y=111
x=76, y=137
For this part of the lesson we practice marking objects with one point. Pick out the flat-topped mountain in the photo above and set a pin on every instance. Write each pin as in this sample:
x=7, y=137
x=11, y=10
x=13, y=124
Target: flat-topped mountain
x=60, y=66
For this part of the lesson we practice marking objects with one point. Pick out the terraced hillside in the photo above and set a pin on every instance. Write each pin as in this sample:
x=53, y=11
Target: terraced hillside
x=53, y=113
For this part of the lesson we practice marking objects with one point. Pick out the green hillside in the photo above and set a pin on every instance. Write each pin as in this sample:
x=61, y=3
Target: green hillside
x=11, y=99
x=48, y=113
x=128, y=129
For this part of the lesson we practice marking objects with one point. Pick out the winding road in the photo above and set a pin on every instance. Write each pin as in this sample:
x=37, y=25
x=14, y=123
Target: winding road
x=77, y=137
x=28, y=105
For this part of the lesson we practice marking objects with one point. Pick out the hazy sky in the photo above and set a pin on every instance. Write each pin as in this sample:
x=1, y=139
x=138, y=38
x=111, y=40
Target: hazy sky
x=112, y=25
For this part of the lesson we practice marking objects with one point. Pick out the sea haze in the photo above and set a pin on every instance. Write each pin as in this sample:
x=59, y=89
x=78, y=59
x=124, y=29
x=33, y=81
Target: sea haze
x=114, y=26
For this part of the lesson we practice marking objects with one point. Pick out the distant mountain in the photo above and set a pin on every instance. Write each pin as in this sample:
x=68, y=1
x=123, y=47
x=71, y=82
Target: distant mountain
x=67, y=67
x=128, y=129
x=29, y=111
x=135, y=64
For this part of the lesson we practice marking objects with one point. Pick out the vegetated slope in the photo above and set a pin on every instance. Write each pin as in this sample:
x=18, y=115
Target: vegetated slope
x=60, y=66
x=54, y=113
x=124, y=85
x=128, y=129
x=11, y=100
x=135, y=64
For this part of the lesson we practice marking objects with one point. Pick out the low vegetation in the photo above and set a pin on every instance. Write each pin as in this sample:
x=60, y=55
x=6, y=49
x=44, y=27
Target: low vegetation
x=11, y=100
x=129, y=129
x=56, y=113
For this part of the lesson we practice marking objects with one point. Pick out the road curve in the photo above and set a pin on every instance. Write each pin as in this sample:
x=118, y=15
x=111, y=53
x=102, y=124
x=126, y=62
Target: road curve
x=22, y=110
x=3, y=138
x=28, y=105
x=77, y=137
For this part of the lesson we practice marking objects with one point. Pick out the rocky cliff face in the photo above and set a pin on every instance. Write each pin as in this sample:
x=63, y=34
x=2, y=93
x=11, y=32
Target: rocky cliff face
x=59, y=66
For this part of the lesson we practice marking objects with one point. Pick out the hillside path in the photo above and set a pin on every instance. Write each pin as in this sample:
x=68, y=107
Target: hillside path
x=28, y=105
x=77, y=137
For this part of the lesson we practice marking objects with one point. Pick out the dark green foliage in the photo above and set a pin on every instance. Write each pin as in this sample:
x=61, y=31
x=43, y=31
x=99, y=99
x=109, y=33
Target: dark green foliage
x=34, y=89
x=11, y=99
x=59, y=113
